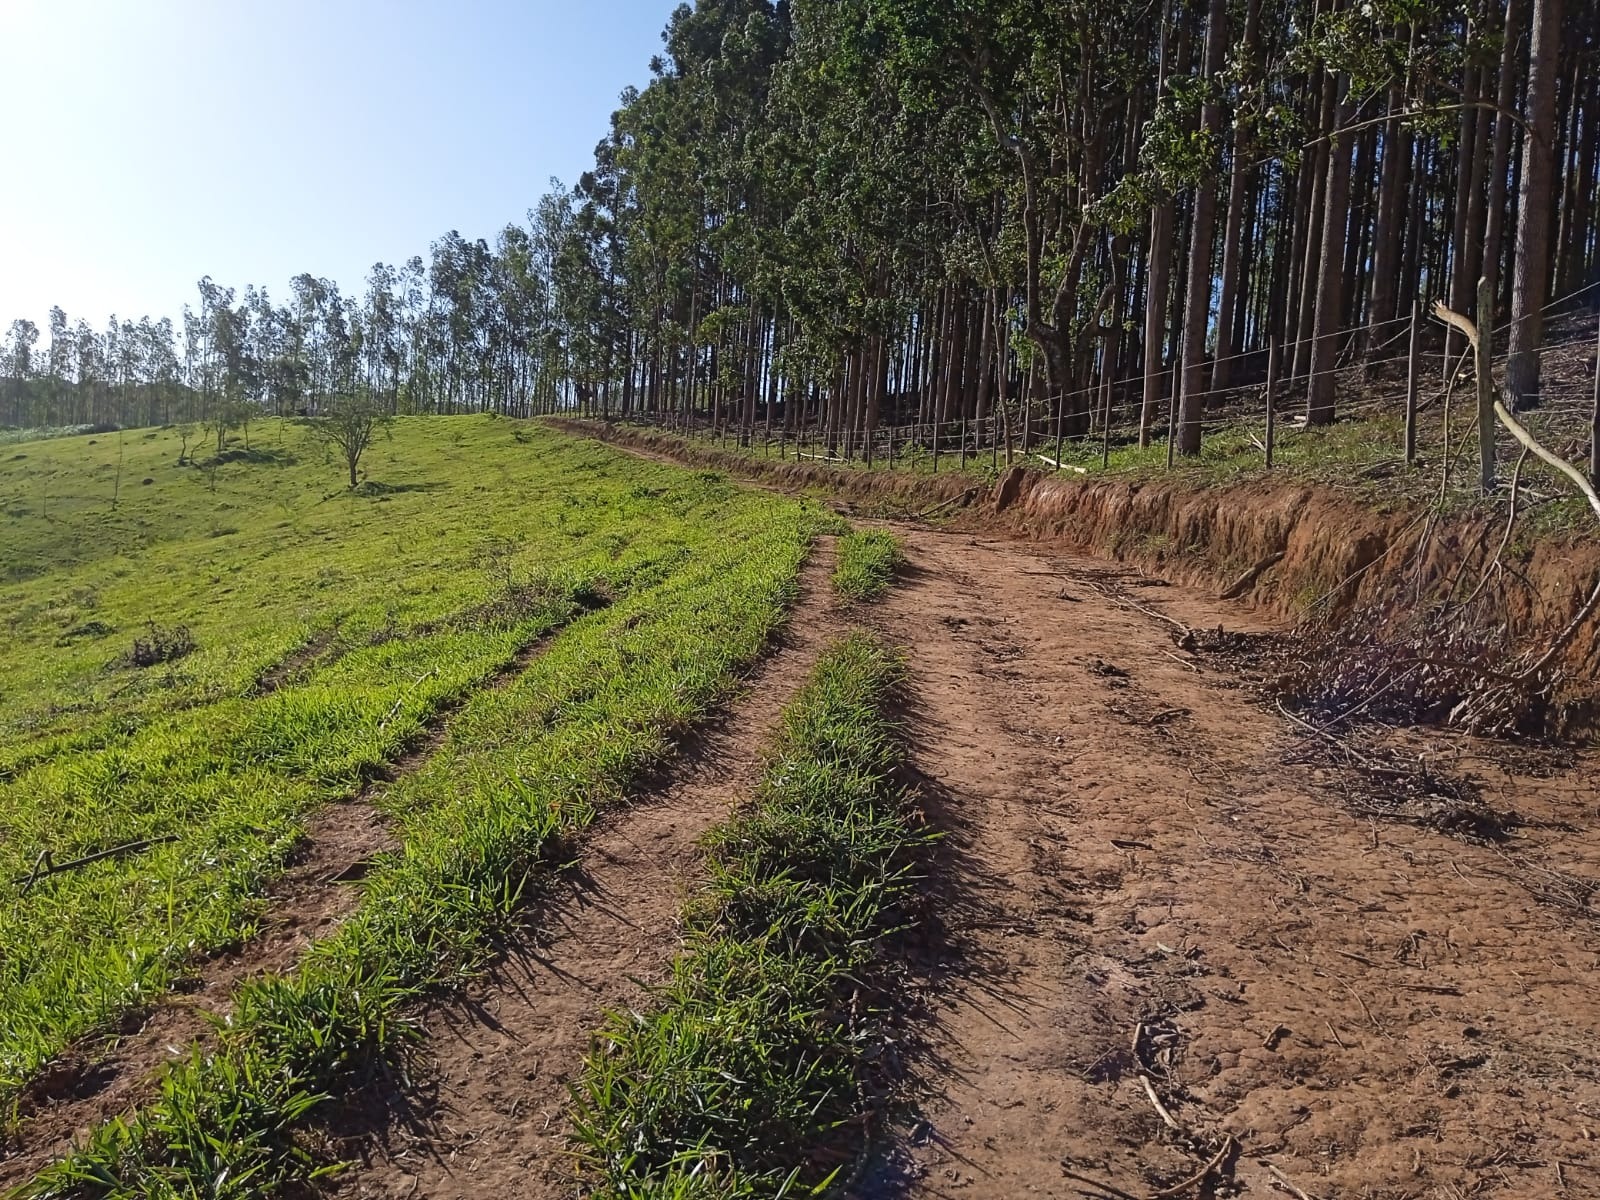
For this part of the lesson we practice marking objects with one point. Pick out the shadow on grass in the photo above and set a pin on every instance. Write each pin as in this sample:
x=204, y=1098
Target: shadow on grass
x=372, y=487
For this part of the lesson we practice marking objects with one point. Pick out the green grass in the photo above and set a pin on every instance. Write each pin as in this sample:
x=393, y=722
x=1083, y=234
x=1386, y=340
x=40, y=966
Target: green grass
x=757, y=1070
x=372, y=613
x=866, y=563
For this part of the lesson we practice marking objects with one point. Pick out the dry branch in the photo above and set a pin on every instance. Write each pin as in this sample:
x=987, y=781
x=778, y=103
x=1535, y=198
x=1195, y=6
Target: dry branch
x=1161, y=1109
x=1246, y=581
x=1201, y=1176
x=1283, y=1181
x=29, y=878
x=1520, y=432
x=963, y=498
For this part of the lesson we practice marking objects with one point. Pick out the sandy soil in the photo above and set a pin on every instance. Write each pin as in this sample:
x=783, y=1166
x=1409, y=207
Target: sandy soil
x=1138, y=891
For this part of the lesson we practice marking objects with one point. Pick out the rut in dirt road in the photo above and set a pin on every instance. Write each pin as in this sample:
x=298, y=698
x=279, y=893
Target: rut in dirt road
x=106, y=1077
x=1145, y=907
x=490, y=1118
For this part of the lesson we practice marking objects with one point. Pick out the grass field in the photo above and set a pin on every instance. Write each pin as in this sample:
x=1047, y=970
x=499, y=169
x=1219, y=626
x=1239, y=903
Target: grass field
x=304, y=637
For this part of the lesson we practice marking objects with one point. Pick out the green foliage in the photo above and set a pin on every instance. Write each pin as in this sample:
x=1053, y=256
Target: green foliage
x=383, y=614
x=750, y=1076
x=867, y=561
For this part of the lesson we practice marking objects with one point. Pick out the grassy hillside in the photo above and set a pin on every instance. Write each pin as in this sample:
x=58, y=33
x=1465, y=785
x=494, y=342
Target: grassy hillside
x=226, y=647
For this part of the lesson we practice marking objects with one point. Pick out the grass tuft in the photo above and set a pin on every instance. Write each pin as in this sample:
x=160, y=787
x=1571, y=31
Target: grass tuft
x=867, y=562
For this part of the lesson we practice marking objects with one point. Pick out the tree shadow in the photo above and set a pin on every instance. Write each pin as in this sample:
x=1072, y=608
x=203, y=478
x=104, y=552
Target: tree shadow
x=371, y=487
x=270, y=456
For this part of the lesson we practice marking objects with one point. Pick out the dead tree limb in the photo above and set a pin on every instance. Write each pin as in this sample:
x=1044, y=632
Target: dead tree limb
x=29, y=878
x=1585, y=488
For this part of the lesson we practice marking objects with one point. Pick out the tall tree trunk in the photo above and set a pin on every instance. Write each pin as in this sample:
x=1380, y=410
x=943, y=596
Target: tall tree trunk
x=1579, y=209
x=1197, y=307
x=1530, y=285
x=1311, y=256
x=1156, y=301
x=1389, y=224
x=1233, y=225
x=1330, y=290
x=1504, y=126
x=1159, y=276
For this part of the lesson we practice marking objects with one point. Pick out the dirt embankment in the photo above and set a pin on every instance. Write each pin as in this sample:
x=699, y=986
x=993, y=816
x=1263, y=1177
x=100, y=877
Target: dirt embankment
x=1295, y=550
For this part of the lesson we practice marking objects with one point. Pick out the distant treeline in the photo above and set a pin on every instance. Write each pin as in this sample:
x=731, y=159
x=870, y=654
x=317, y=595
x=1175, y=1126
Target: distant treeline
x=472, y=329
x=860, y=211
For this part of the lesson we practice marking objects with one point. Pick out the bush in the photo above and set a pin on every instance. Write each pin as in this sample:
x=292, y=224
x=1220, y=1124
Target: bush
x=160, y=645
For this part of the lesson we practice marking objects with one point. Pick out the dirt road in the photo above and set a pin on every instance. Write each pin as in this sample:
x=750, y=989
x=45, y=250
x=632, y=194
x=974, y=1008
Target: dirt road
x=1138, y=892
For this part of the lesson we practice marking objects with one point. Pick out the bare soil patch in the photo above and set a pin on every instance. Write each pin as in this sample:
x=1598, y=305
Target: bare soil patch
x=1176, y=958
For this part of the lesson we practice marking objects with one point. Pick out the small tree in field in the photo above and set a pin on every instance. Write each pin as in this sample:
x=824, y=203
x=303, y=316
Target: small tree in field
x=349, y=423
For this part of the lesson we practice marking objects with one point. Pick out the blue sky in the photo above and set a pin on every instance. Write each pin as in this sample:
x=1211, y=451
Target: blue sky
x=149, y=142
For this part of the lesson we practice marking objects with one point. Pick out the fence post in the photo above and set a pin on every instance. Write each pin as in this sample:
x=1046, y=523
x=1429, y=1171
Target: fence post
x=1272, y=387
x=1172, y=403
x=1485, y=388
x=1105, y=419
x=1412, y=383
x=1594, y=433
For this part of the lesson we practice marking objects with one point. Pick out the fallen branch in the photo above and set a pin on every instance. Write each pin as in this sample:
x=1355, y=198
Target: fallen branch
x=963, y=498
x=1118, y=598
x=28, y=879
x=1061, y=466
x=1108, y=1189
x=1204, y=1173
x=1161, y=1109
x=406, y=695
x=1283, y=1181
x=1505, y=539
x=1520, y=432
x=1246, y=581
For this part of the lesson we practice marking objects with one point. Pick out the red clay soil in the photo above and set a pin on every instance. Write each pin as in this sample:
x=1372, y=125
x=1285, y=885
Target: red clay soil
x=488, y=1116
x=107, y=1076
x=1137, y=890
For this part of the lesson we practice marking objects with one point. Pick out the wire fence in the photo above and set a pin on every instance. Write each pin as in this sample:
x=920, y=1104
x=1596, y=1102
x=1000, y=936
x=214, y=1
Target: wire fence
x=1420, y=396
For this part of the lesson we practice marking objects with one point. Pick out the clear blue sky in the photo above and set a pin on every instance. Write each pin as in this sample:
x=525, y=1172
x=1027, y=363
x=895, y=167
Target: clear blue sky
x=150, y=142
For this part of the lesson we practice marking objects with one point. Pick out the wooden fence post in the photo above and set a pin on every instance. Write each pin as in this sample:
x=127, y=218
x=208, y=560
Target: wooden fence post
x=1486, y=422
x=1594, y=432
x=1412, y=382
x=1272, y=385
x=1172, y=403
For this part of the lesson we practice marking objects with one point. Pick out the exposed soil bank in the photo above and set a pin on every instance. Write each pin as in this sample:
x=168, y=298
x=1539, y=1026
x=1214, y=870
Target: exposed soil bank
x=1295, y=550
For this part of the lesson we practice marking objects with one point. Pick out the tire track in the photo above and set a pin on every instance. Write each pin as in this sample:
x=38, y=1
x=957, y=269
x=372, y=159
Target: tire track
x=1139, y=891
x=489, y=1117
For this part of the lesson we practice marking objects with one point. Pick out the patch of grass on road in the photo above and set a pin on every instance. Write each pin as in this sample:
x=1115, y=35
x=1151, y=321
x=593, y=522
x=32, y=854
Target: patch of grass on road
x=866, y=563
